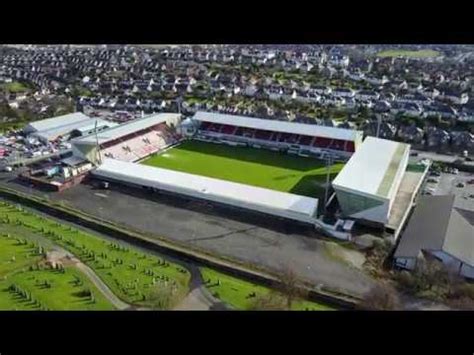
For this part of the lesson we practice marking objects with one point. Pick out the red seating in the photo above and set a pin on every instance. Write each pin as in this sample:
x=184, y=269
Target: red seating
x=350, y=147
x=289, y=138
x=227, y=129
x=322, y=142
x=204, y=125
x=264, y=135
x=305, y=140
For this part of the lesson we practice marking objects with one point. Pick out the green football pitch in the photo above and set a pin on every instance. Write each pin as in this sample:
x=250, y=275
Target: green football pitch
x=257, y=167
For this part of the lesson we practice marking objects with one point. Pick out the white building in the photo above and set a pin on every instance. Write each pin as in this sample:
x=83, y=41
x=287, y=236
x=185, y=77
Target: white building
x=367, y=185
x=280, y=204
x=62, y=126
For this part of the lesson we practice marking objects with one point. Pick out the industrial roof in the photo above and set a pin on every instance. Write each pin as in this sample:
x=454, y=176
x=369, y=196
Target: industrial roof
x=73, y=160
x=373, y=167
x=92, y=125
x=126, y=128
x=436, y=225
x=63, y=129
x=55, y=122
x=228, y=191
x=279, y=126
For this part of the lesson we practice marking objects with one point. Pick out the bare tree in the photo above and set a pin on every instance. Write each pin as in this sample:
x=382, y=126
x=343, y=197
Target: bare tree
x=382, y=297
x=272, y=301
x=164, y=297
x=290, y=286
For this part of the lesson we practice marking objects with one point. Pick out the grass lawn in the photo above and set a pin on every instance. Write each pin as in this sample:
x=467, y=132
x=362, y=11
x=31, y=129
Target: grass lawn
x=235, y=292
x=130, y=274
x=424, y=53
x=61, y=292
x=257, y=167
x=14, y=86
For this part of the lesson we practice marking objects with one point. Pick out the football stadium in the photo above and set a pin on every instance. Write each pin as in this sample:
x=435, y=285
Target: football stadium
x=277, y=168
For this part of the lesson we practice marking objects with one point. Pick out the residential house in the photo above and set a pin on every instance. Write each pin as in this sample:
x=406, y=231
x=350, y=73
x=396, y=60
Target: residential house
x=387, y=130
x=321, y=89
x=376, y=81
x=411, y=134
x=339, y=60
x=382, y=106
x=454, y=96
x=462, y=140
x=367, y=95
x=343, y=92
x=439, y=109
x=437, y=138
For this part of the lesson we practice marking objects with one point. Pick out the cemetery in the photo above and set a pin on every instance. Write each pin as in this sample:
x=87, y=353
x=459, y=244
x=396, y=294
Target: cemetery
x=131, y=274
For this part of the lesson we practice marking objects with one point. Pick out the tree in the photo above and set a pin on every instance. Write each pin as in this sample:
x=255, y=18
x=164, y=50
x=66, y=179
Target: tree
x=290, y=286
x=272, y=301
x=382, y=297
x=164, y=297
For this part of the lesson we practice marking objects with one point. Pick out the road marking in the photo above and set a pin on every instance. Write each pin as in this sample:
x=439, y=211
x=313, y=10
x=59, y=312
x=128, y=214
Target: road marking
x=101, y=195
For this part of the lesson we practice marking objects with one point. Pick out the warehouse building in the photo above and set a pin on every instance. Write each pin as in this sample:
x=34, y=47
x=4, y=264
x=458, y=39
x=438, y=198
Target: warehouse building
x=280, y=204
x=441, y=230
x=50, y=129
x=367, y=186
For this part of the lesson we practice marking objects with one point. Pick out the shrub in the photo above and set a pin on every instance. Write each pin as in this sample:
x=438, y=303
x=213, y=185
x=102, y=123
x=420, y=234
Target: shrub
x=381, y=297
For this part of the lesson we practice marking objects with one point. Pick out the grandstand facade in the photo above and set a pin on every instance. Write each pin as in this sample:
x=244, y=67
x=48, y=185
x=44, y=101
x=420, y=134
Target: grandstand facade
x=367, y=186
x=128, y=142
x=281, y=204
x=296, y=138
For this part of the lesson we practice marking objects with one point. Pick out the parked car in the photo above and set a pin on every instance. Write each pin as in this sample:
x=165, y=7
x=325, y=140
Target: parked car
x=433, y=180
x=460, y=184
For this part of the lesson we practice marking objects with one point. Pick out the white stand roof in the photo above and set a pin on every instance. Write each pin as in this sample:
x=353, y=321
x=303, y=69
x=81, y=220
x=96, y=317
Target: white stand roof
x=277, y=203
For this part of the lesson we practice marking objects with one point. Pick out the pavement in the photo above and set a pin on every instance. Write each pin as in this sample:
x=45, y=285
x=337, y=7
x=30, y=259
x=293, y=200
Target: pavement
x=448, y=185
x=103, y=288
x=237, y=236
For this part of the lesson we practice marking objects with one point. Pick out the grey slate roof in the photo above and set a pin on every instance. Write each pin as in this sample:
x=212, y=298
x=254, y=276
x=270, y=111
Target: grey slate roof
x=437, y=226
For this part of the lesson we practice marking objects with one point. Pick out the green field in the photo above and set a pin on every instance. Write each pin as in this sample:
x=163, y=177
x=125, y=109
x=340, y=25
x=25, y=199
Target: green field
x=257, y=167
x=424, y=53
x=241, y=294
x=14, y=86
x=26, y=284
x=131, y=274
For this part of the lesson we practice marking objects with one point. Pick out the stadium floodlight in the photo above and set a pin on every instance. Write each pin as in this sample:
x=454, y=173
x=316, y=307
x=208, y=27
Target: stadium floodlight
x=97, y=143
x=329, y=157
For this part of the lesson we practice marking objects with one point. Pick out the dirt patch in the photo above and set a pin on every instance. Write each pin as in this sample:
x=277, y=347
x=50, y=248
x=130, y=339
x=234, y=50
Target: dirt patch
x=350, y=257
x=60, y=257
